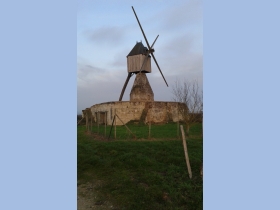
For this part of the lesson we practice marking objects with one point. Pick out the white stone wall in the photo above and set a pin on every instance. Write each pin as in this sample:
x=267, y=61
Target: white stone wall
x=156, y=112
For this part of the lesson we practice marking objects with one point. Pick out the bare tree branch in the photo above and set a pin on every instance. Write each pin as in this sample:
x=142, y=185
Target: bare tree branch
x=188, y=93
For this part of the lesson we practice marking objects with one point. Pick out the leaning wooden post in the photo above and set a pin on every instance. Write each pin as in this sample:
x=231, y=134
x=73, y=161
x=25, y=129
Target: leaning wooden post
x=186, y=152
x=80, y=121
x=115, y=125
x=126, y=126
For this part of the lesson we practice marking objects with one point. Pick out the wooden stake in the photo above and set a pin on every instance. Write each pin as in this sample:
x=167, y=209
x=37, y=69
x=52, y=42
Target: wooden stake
x=105, y=122
x=98, y=116
x=91, y=123
x=126, y=126
x=80, y=121
x=186, y=152
x=111, y=127
x=86, y=122
x=178, y=129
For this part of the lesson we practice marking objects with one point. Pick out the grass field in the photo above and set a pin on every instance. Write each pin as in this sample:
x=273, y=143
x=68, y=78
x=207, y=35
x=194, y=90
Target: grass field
x=141, y=131
x=143, y=174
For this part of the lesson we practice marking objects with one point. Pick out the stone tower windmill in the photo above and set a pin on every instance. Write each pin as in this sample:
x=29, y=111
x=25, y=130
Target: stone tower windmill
x=139, y=63
x=142, y=107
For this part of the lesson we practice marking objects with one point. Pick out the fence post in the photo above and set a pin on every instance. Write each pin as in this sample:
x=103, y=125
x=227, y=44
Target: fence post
x=105, y=121
x=86, y=121
x=90, y=123
x=178, y=136
x=186, y=152
x=80, y=120
x=126, y=126
x=97, y=122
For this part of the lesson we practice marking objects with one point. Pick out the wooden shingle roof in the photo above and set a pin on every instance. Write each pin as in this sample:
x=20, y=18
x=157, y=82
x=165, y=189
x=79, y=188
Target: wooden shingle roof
x=138, y=49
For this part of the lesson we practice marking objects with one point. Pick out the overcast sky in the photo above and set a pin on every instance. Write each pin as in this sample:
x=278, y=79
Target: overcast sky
x=108, y=30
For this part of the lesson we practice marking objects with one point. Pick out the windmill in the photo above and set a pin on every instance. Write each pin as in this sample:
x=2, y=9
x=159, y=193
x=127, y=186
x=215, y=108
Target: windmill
x=139, y=63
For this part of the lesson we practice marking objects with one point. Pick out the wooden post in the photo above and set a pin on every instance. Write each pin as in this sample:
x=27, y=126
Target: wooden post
x=186, y=152
x=91, y=123
x=126, y=126
x=115, y=125
x=86, y=122
x=98, y=115
x=105, y=121
x=178, y=129
x=111, y=126
x=80, y=120
x=202, y=127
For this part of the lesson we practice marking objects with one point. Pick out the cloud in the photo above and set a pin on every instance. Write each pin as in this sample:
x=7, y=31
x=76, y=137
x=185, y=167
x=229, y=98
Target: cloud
x=88, y=74
x=181, y=44
x=96, y=85
x=106, y=35
x=181, y=15
x=120, y=59
x=179, y=55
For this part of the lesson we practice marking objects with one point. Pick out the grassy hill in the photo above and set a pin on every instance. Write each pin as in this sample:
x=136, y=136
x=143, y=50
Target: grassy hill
x=142, y=174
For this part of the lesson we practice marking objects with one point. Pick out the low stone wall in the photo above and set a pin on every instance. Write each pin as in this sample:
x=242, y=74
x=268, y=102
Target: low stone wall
x=156, y=112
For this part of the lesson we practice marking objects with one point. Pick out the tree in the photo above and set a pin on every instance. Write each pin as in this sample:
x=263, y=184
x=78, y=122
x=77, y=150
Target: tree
x=188, y=93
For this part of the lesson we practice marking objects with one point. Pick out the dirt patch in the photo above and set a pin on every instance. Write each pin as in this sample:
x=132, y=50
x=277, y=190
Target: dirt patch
x=88, y=198
x=96, y=136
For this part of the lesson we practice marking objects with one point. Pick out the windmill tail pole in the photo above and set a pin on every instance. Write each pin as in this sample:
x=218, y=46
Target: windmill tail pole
x=125, y=84
x=111, y=127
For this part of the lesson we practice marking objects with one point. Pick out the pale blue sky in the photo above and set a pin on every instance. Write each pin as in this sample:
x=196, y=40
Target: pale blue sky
x=108, y=30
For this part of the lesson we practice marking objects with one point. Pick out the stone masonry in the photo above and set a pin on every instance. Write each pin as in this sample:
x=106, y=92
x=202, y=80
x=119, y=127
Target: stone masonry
x=156, y=112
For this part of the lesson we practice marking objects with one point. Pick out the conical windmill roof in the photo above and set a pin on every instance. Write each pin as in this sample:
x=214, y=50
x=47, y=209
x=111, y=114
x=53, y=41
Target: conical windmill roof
x=138, y=49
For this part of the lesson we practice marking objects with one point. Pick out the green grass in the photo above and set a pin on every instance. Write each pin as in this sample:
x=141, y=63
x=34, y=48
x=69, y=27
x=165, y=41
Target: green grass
x=141, y=131
x=144, y=174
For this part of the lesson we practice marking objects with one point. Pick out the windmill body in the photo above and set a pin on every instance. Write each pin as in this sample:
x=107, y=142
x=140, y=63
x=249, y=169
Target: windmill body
x=136, y=58
x=141, y=89
x=139, y=60
x=141, y=105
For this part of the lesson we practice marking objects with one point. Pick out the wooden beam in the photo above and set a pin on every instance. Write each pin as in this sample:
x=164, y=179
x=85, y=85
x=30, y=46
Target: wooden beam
x=80, y=121
x=98, y=118
x=111, y=127
x=105, y=121
x=125, y=84
x=186, y=151
x=126, y=126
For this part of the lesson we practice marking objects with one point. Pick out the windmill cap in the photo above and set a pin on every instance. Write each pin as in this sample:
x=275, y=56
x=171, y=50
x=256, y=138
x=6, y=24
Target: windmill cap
x=138, y=49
